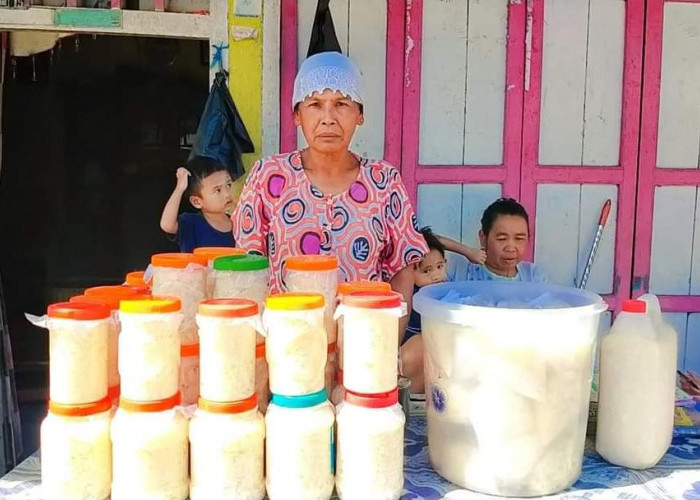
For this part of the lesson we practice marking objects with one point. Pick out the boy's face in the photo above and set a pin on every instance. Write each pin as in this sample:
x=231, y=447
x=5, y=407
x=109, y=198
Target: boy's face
x=214, y=194
x=432, y=269
x=506, y=243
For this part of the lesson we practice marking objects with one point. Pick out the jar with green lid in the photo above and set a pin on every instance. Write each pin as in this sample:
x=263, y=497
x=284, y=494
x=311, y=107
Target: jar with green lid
x=241, y=276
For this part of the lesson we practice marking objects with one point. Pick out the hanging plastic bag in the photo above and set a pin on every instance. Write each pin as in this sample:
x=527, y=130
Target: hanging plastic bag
x=323, y=37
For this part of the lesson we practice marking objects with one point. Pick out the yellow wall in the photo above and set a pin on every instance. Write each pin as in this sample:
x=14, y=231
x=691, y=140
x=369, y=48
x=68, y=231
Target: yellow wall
x=245, y=83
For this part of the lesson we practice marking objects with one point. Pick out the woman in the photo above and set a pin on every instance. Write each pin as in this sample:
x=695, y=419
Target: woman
x=326, y=199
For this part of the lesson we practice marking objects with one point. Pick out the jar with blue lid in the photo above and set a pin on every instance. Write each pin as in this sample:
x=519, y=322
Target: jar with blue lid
x=300, y=447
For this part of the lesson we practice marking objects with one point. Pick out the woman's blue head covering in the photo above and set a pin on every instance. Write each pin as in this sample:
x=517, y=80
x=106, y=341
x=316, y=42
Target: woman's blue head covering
x=327, y=71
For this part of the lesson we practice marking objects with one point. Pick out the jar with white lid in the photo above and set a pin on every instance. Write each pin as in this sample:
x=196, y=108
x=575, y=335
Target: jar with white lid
x=149, y=348
x=315, y=274
x=78, y=352
x=300, y=447
x=371, y=340
x=370, y=447
x=189, y=374
x=227, y=338
x=262, y=379
x=150, y=451
x=296, y=343
x=354, y=287
x=76, y=451
x=182, y=275
x=212, y=253
x=227, y=449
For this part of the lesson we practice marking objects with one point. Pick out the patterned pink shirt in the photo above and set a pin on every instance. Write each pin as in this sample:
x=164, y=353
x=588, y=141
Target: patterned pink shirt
x=370, y=228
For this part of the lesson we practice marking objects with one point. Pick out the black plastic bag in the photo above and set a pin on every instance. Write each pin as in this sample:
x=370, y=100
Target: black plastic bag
x=221, y=134
x=323, y=37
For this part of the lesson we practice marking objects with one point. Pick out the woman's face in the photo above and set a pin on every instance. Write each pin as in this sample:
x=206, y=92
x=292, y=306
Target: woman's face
x=505, y=244
x=328, y=121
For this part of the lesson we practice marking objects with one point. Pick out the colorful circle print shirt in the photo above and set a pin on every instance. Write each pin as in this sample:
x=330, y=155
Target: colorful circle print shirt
x=370, y=228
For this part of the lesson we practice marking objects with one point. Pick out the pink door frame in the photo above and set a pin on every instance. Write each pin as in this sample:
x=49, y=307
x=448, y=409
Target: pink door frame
x=649, y=175
x=622, y=175
x=508, y=173
x=395, y=35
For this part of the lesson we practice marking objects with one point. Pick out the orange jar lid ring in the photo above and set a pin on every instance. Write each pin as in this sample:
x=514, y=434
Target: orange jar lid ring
x=84, y=410
x=178, y=260
x=312, y=263
x=211, y=253
x=372, y=300
x=150, y=406
x=228, y=308
x=229, y=407
x=78, y=311
x=363, y=286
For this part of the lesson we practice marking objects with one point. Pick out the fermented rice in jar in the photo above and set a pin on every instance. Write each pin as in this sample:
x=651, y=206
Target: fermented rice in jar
x=149, y=348
x=296, y=343
x=182, y=275
x=76, y=452
x=262, y=379
x=371, y=341
x=189, y=374
x=244, y=276
x=227, y=445
x=300, y=450
x=370, y=447
x=150, y=451
x=78, y=352
x=315, y=274
x=212, y=253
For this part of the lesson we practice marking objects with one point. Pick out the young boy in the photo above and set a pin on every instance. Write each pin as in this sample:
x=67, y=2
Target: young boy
x=208, y=187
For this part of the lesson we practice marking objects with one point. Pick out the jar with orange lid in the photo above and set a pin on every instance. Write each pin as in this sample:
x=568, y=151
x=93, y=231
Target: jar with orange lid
x=76, y=451
x=182, y=275
x=371, y=340
x=189, y=373
x=227, y=337
x=315, y=274
x=354, y=287
x=262, y=378
x=370, y=447
x=149, y=348
x=227, y=448
x=78, y=352
x=212, y=253
x=150, y=450
x=136, y=279
x=296, y=343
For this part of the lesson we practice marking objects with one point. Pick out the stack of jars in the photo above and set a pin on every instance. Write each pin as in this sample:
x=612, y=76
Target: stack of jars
x=211, y=254
x=184, y=276
x=227, y=433
x=370, y=421
x=300, y=444
x=318, y=274
x=149, y=432
x=76, y=452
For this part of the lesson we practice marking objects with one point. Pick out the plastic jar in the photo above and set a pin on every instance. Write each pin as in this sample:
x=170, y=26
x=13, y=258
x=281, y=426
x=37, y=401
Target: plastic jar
x=78, y=352
x=227, y=339
x=76, y=452
x=370, y=447
x=182, y=275
x=136, y=279
x=227, y=449
x=150, y=451
x=300, y=447
x=212, y=253
x=331, y=372
x=371, y=350
x=262, y=378
x=315, y=274
x=296, y=343
x=189, y=374
x=149, y=348
x=354, y=287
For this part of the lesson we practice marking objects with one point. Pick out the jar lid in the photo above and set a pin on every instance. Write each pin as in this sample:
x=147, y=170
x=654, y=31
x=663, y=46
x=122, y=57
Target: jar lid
x=372, y=300
x=150, y=406
x=260, y=350
x=241, y=263
x=383, y=400
x=212, y=253
x=78, y=311
x=84, y=410
x=140, y=290
x=152, y=304
x=363, y=286
x=332, y=347
x=312, y=263
x=111, y=302
x=135, y=278
x=115, y=291
x=177, y=260
x=114, y=392
x=292, y=301
x=305, y=401
x=634, y=306
x=228, y=308
x=229, y=407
